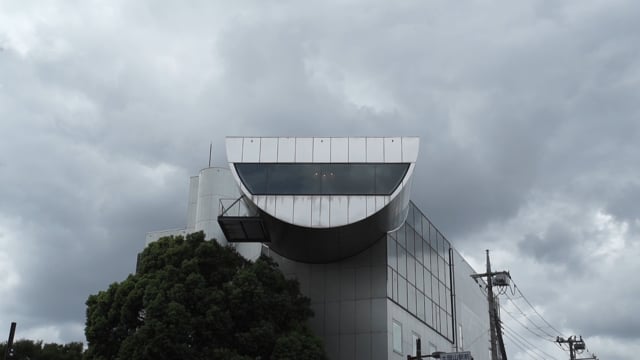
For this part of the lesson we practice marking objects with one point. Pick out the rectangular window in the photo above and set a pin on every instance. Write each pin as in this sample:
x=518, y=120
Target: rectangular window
x=392, y=253
x=402, y=236
x=418, y=250
x=402, y=261
x=414, y=343
x=402, y=292
x=411, y=269
x=412, y=300
x=397, y=337
x=420, y=304
x=395, y=286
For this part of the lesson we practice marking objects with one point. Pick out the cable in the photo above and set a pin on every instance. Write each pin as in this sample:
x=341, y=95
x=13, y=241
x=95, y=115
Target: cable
x=526, y=327
x=514, y=333
x=536, y=311
x=531, y=321
x=514, y=342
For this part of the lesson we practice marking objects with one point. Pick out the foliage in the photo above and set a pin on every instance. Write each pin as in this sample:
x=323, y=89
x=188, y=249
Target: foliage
x=195, y=299
x=29, y=349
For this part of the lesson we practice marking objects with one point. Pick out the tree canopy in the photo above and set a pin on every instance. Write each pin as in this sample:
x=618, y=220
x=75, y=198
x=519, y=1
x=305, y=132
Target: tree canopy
x=37, y=350
x=195, y=299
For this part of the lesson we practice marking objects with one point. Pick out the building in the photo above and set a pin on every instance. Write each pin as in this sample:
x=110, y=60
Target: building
x=335, y=213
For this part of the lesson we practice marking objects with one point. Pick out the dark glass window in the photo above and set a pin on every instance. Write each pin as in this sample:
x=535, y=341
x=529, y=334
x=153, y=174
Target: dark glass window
x=321, y=178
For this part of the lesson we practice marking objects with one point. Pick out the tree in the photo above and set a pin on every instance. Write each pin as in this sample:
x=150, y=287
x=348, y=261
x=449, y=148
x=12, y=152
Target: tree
x=195, y=299
x=29, y=349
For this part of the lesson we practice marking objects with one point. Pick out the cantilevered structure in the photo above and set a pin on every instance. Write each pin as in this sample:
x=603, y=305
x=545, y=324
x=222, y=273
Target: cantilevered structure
x=335, y=213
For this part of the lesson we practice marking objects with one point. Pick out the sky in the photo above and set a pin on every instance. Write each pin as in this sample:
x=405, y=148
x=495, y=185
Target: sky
x=528, y=113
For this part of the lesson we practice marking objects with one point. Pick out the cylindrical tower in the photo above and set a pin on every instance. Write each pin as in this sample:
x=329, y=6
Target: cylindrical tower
x=214, y=183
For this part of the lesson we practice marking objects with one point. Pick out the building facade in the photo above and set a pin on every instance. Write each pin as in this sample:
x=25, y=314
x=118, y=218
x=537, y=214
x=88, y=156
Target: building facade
x=336, y=215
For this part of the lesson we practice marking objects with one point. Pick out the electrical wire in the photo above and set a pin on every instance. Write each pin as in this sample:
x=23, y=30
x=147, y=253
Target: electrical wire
x=526, y=351
x=531, y=321
x=536, y=311
x=526, y=327
x=524, y=340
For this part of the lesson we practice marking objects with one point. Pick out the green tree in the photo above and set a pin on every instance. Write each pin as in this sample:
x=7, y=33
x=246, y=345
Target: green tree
x=36, y=350
x=195, y=299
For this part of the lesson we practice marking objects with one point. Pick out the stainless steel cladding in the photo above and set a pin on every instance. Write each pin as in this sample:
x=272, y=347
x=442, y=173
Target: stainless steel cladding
x=324, y=199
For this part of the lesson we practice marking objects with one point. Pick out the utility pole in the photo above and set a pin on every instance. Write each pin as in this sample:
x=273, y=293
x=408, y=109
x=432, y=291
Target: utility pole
x=574, y=344
x=495, y=327
x=8, y=352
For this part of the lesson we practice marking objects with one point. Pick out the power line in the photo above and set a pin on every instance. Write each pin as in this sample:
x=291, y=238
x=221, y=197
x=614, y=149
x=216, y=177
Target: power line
x=531, y=321
x=526, y=327
x=534, y=309
x=526, y=351
x=515, y=333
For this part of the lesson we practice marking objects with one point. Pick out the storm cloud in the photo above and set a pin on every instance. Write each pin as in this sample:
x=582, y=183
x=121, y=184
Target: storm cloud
x=527, y=113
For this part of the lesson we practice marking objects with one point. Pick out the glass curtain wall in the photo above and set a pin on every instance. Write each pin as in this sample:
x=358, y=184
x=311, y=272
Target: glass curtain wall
x=419, y=273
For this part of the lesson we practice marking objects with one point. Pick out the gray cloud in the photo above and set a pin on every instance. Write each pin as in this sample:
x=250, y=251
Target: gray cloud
x=527, y=112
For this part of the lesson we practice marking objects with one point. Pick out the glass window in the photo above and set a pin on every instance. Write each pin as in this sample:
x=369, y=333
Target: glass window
x=389, y=282
x=414, y=343
x=426, y=256
x=321, y=178
x=410, y=237
x=392, y=254
x=443, y=270
x=435, y=293
x=419, y=277
x=443, y=294
x=444, y=329
x=411, y=269
x=402, y=237
x=402, y=261
x=411, y=301
x=417, y=221
x=410, y=215
x=441, y=241
x=397, y=337
x=395, y=286
x=434, y=261
x=389, y=176
x=253, y=177
x=420, y=305
x=402, y=291
x=427, y=283
x=418, y=249
x=425, y=228
x=433, y=236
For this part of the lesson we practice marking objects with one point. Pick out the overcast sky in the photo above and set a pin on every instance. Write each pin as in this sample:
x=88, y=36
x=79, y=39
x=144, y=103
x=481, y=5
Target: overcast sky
x=528, y=114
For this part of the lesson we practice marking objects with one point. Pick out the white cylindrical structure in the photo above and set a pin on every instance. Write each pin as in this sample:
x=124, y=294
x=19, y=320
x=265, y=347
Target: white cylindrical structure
x=213, y=185
x=192, y=208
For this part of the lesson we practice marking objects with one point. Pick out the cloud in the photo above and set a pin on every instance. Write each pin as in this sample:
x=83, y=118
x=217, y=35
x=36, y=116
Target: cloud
x=527, y=113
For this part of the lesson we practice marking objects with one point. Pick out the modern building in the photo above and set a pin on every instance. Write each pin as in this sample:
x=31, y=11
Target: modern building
x=335, y=213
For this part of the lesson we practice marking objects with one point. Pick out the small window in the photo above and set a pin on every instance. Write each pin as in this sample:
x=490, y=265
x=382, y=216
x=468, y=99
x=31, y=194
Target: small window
x=460, y=338
x=414, y=344
x=397, y=337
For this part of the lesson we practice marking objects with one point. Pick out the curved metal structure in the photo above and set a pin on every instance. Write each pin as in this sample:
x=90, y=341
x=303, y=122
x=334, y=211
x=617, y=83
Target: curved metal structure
x=324, y=199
